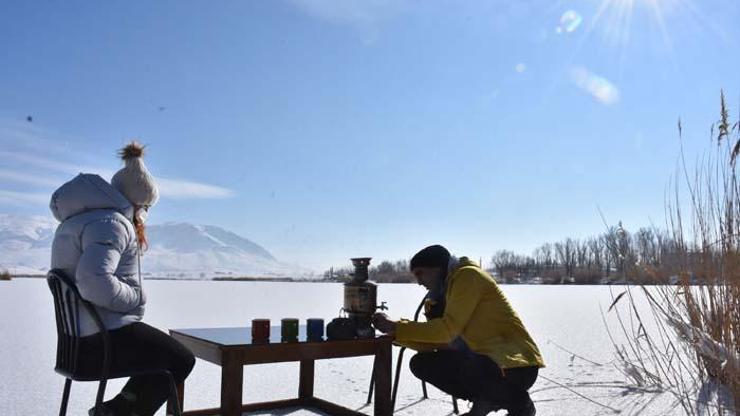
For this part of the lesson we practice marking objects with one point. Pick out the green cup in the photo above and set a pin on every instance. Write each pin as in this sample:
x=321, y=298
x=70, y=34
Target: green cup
x=289, y=330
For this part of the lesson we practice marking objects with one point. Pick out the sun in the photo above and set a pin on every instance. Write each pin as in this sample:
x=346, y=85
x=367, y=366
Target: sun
x=615, y=17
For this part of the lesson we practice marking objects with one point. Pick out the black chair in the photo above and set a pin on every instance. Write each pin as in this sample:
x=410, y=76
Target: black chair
x=67, y=301
x=396, y=378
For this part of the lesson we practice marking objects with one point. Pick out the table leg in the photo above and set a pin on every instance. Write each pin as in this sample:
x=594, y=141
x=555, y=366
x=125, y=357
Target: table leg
x=232, y=380
x=382, y=372
x=180, y=398
x=305, y=384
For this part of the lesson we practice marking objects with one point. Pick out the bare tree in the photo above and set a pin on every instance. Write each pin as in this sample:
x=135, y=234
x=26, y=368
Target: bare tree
x=581, y=254
x=596, y=246
x=646, y=247
x=503, y=261
x=565, y=253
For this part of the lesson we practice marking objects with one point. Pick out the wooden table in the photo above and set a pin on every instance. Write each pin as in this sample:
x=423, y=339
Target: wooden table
x=232, y=348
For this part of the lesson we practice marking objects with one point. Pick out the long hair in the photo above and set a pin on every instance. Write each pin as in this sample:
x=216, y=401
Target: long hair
x=140, y=233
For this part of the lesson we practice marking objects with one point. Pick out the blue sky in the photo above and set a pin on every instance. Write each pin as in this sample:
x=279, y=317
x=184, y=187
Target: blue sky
x=325, y=130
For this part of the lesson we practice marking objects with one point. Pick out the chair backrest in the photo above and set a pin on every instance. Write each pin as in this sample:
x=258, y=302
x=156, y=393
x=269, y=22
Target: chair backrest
x=419, y=308
x=67, y=302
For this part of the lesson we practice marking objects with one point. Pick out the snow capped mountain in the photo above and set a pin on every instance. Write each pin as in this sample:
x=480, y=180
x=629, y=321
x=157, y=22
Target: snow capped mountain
x=25, y=243
x=187, y=250
x=178, y=250
x=188, y=238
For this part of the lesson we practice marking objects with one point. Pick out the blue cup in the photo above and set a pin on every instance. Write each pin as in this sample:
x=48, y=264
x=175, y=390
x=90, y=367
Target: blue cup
x=315, y=329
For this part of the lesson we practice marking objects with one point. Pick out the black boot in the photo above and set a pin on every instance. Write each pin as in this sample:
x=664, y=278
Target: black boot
x=524, y=409
x=482, y=408
x=117, y=406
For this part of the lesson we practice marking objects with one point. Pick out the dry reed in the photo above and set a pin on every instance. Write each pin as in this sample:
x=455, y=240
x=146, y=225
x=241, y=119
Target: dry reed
x=683, y=336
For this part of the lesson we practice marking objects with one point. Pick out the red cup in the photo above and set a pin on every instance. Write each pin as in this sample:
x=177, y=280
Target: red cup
x=260, y=331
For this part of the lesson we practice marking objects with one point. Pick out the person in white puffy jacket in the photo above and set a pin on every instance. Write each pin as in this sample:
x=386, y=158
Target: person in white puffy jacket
x=98, y=245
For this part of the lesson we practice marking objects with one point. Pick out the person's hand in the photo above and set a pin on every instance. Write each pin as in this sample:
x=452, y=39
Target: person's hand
x=382, y=323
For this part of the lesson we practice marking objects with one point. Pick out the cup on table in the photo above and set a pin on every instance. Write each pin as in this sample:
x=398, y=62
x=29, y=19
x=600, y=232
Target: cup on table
x=315, y=329
x=260, y=331
x=289, y=330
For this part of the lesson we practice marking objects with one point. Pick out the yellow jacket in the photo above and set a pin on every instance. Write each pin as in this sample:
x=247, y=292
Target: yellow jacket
x=477, y=311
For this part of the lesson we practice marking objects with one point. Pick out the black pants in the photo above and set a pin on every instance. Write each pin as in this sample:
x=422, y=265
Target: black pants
x=139, y=346
x=471, y=376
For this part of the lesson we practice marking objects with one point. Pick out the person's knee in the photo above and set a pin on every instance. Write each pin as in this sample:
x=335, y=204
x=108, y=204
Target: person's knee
x=184, y=366
x=190, y=363
x=419, y=365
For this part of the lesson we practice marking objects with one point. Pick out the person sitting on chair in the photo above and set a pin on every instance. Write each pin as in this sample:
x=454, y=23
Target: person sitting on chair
x=98, y=245
x=473, y=345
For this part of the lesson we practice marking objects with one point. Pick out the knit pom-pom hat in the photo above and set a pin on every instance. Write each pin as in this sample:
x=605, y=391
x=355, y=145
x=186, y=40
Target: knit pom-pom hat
x=134, y=180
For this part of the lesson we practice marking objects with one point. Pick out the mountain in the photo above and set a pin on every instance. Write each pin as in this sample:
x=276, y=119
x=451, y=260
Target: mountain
x=176, y=250
x=25, y=243
x=187, y=250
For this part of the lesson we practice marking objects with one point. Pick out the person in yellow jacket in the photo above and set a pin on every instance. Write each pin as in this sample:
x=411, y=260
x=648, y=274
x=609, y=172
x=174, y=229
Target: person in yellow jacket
x=473, y=345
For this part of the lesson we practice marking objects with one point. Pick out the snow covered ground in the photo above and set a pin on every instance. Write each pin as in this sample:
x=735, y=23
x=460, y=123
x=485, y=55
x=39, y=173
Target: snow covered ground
x=559, y=317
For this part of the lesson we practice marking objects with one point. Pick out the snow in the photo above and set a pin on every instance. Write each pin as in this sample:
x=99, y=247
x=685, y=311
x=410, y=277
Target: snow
x=178, y=250
x=25, y=243
x=560, y=318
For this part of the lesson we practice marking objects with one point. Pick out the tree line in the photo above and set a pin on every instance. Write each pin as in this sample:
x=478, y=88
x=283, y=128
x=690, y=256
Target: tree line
x=614, y=256
x=384, y=272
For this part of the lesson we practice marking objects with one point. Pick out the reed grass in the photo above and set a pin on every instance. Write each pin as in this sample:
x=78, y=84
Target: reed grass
x=686, y=341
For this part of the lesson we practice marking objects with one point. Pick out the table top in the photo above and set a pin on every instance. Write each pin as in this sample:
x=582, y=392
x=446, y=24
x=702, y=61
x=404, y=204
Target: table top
x=242, y=336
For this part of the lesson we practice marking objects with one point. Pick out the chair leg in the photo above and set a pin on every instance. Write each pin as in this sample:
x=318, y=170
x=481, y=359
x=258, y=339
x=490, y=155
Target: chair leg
x=372, y=387
x=399, y=363
x=100, y=396
x=175, y=398
x=455, y=409
x=396, y=379
x=65, y=397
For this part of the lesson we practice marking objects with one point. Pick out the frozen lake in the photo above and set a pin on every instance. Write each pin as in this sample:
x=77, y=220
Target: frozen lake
x=557, y=316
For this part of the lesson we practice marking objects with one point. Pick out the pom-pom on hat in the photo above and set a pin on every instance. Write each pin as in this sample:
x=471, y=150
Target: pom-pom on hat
x=134, y=180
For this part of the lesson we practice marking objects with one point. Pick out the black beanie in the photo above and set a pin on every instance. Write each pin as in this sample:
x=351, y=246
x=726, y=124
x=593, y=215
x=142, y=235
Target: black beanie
x=432, y=256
